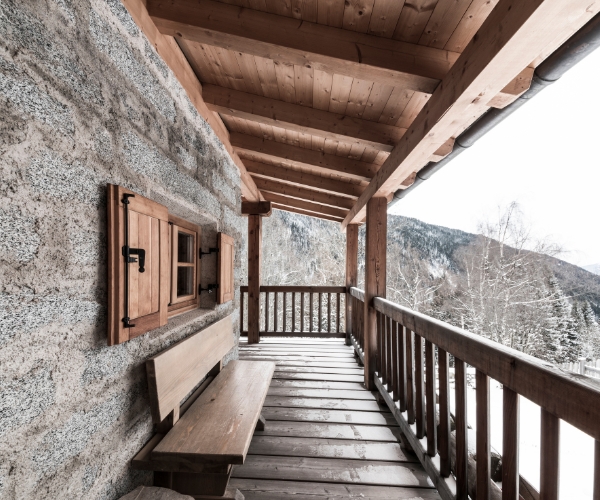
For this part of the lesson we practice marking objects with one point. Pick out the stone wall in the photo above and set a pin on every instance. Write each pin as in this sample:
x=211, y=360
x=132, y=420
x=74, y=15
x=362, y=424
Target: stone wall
x=86, y=101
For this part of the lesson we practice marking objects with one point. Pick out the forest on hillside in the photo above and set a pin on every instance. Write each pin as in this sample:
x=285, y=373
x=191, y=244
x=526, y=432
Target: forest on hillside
x=501, y=283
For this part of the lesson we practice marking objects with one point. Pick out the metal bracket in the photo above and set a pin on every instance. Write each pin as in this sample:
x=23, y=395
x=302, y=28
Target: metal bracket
x=127, y=252
x=209, y=288
x=210, y=250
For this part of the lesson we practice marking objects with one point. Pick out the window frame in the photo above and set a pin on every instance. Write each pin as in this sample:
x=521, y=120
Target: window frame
x=179, y=305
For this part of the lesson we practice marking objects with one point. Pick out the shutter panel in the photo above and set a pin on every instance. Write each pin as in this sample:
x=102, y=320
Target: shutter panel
x=142, y=297
x=225, y=268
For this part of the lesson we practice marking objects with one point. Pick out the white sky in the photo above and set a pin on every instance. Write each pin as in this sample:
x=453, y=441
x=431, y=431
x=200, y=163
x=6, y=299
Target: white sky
x=546, y=156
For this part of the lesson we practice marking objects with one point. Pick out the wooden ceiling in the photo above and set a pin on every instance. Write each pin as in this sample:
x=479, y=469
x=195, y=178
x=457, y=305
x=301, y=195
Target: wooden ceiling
x=328, y=103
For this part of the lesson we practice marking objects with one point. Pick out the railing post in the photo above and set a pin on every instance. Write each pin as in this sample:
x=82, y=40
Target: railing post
x=351, y=274
x=254, y=278
x=375, y=279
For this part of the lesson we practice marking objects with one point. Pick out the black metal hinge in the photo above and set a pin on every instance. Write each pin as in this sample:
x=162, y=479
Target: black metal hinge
x=210, y=250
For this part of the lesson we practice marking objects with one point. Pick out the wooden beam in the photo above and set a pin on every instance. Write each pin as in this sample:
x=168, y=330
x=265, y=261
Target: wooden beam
x=301, y=119
x=511, y=37
x=375, y=280
x=303, y=179
x=516, y=87
x=287, y=208
x=272, y=150
x=256, y=208
x=351, y=273
x=171, y=54
x=303, y=193
x=307, y=206
x=302, y=43
x=254, y=276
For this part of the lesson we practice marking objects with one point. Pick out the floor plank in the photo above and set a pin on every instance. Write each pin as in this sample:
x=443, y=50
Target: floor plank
x=260, y=489
x=352, y=370
x=330, y=404
x=308, y=359
x=329, y=448
x=331, y=416
x=331, y=431
x=317, y=384
x=332, y=377
x=320, y=393
x=333, y=471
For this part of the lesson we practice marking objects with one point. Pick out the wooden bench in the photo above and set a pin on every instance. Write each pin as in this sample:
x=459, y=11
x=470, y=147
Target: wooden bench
x=199, y=441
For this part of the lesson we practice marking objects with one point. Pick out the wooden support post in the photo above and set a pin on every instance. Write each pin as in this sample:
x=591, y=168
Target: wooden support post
x=375, y=276
x=351, y=273
x=549, y=456
x=254, y=277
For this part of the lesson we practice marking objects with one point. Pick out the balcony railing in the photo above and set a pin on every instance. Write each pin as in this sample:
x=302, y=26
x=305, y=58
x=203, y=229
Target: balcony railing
x=303, y=311
x=413, y=364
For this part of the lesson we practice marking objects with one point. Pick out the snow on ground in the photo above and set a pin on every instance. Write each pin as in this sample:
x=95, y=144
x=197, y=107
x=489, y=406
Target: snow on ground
x=576, y=448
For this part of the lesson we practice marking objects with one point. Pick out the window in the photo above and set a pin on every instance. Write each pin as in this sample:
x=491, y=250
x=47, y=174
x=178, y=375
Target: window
x=185, y=265
x=154, y=265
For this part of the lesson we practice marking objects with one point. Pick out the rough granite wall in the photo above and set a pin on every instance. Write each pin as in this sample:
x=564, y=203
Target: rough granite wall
x=86, y=101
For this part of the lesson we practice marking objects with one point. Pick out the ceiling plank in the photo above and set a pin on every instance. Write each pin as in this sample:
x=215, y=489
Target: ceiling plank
x=306, y=205
x=303, y=179
x=354, y=169
x=301, y=119
x=302, y=43
x=287, y=208
x=515, y=32
x=278, y=187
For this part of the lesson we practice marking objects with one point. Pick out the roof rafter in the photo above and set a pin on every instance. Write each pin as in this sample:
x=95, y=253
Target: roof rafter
x=307, y=206
x=294, y=41
x=355, y=169
x=304, y=179
x=301, y=118
x=512, y=36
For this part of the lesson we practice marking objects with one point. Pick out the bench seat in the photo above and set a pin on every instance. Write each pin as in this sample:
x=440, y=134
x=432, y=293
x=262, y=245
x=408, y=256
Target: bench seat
x=218, y=427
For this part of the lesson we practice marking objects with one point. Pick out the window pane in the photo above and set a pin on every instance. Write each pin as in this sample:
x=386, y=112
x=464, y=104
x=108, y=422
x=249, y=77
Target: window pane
x=185, y=281
x=185, y=247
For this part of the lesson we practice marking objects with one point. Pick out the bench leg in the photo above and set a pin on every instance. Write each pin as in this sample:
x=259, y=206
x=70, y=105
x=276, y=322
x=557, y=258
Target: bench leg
x=200, y=485
x=261, y=423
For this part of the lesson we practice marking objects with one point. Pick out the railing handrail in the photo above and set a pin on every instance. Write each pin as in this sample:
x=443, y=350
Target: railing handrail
x=357, y=293
x=298, y=289
x=569, y=396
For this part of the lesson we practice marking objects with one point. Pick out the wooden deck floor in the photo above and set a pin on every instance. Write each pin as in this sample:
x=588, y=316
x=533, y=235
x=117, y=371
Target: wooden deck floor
x=326, y=435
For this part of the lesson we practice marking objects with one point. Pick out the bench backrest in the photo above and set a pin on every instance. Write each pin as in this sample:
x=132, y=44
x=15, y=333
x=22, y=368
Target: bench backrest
x=174, y=373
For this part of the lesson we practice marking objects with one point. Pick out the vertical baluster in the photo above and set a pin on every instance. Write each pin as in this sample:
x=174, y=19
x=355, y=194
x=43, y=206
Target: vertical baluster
x=444, y=436
x=419, y=387
x=483, y=435
x=510, y=444
x=462, y=458
x=284, y=311
x=388, y=350
x=402, y=367
x=337, y=312
x=329, y=313
x=293, y=312
x=242, y=312
x=395, y=361
x=311, y=311
x=597, y=468
x=410, y=371
x=430, y=398
x=266, y=311
x=379, y=362
x=549, y=453
x=302, y=312
x=320, y=308
x=275, y=312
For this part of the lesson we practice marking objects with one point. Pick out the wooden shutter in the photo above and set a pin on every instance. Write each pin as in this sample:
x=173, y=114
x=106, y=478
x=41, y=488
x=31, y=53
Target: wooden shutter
x=185, y=266
x=225, y=268
x=142, y=297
